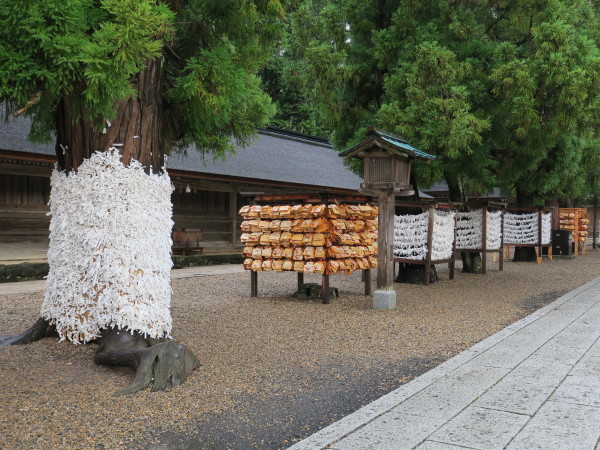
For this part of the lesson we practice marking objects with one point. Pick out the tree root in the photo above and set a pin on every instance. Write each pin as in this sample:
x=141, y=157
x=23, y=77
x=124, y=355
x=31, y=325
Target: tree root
x=39, y=330
x=472, y=262
x=162, y=362
x=414, y=274
x=158, y=361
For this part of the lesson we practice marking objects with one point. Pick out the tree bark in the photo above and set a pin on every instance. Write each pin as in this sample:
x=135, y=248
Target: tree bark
x=136, y=129
x=472, y=262
x=524, y=254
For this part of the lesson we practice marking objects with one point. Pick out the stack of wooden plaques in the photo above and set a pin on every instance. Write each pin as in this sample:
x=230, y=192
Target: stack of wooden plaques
x=309, y=238
x=575, y=220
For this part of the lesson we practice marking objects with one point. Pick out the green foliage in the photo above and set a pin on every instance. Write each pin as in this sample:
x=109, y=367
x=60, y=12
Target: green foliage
x=89, y=51
x=505, y=93
x=53, y=48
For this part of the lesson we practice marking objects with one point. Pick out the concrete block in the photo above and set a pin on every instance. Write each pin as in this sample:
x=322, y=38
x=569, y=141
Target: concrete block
x=384, y=300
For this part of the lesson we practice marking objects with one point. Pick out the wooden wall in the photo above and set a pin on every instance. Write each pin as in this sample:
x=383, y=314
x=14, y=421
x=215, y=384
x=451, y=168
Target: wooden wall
x=23, y=205
x=210, y=206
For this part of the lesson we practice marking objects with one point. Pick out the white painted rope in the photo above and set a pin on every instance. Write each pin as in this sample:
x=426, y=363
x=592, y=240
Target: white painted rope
x=469, y=230
x=110, y=250
x=410, y=236
x=523, y=228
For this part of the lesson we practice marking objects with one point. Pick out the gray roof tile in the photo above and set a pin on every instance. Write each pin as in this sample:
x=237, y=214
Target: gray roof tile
x=270, y=156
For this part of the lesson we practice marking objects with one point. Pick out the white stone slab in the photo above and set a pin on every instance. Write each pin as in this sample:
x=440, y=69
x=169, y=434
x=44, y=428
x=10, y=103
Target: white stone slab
x=581, y=390
x=560, y=426
x=587, y=366
x=390, y=431
x=432, y=445
x=538, y=370
x=481, y=428
x=515, y=397
x=451, y=394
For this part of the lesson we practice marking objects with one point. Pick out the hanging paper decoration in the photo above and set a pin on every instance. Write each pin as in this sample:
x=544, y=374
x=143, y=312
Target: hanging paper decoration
x=410, y=236
x=110, y=247
x=523, y=228
x=469, y=230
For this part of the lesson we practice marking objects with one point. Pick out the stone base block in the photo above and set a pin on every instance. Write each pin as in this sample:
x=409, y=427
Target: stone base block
x=384, y=299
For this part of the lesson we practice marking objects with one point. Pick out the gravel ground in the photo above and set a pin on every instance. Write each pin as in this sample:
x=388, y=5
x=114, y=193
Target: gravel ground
x=274, y=369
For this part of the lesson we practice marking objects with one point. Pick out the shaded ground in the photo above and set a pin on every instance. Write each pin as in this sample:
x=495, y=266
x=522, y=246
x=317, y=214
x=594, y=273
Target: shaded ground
x=281, y=418
x=274, y=369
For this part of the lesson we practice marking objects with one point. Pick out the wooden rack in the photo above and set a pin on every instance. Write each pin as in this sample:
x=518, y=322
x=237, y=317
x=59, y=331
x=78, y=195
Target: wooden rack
x=427, y=262
x=484, y=206
x=325, y=294
x=575, y=222
x=538, y=246
x=311, y=198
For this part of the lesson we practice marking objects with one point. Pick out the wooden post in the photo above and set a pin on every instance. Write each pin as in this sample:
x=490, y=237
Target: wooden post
x=385, y=252
x=385, y=296
x=483, y=239
x=233, y=209
x=501, y=263
x=253, y=283
x=539, y=256
x=427, y=275
x=325, y=289
x=453, y=257
x=594, y=226
x=367, y=280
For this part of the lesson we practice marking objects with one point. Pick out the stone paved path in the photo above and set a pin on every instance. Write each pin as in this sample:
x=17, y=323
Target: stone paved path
x=535, y=384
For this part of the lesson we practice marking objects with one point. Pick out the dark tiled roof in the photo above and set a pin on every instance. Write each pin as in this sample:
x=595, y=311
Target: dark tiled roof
x=271, y=156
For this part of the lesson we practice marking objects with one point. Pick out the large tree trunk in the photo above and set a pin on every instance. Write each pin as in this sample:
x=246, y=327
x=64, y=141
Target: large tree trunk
x=524, y=254
x=136, y=133
x=136, y=129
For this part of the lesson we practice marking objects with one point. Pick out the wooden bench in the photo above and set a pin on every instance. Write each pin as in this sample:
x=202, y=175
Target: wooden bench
x=187, y=241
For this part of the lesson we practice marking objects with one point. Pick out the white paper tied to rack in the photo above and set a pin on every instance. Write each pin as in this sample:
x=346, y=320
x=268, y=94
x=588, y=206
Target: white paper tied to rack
x=469, y=227
x=523, y=228
x=410, y=236
x=110, y=250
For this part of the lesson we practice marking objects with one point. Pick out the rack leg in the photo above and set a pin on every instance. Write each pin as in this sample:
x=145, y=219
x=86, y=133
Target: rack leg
x=253, y=283
x=483, y=262
x=325, y=289
x=367, y=280
x=300, y=279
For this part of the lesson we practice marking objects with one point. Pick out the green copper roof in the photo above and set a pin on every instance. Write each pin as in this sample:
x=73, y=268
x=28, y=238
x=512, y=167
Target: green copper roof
x=397, y=142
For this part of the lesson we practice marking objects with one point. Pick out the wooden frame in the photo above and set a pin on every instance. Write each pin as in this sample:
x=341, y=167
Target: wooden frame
x=537, y=246
x=322, y=197
x=325, y=297
x=580, y=213
x=427, y=262
x=484, y=250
